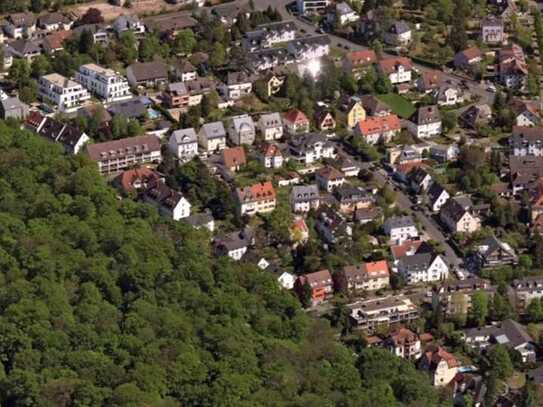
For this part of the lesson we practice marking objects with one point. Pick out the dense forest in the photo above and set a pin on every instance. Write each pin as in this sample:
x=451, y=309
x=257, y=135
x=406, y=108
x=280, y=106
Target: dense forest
x=104, y=303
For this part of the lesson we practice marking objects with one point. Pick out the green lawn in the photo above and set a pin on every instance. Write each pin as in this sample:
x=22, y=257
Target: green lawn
x=399, y=105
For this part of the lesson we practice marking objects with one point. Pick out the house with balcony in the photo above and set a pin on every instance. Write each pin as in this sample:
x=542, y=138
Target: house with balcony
x=103, y=82
x=62, y=92
x=257, y=198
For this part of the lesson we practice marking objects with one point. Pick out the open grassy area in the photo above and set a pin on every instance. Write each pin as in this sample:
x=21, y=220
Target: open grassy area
x=399, y=105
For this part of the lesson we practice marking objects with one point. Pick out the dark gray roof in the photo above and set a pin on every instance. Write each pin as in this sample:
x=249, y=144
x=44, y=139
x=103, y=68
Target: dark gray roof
x=426, y=115
x=418, y=262
x=435, y=191
x=24, y=47
x=199, y=219
x=399, y=222
x=148, y=71
x=514, y=332
x=132, y=108
x=399, y=27
x=302, y=193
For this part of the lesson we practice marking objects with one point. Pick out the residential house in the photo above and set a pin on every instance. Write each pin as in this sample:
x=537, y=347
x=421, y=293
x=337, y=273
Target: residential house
x=324, y=120
x=437, y=196
x=12, y=107
x=311, y=147
x=115, y=156
x=65, y=93
x=234, y=158
x=372, y=314
x=270, y=156
x=311, y=6
x=523, y=291
x=135, y=108
x=404, y=343
x=24, y=49
x=257, y=198
x=448, y=94
x=99, y=32
x=347, y=166
x=309, y=48
x=129, y=23
x=274, y=83
x=469, y=59
x=296, y=122
x=7, y=58
x=147, y=74
x=398, y=34
x=169, y=25
x=343, y=14
x=419, y=180
x=508, y=333
x=524, y=171
x=358, y=62
x=457, y=214
x=400, y=229
x=170, y=203
x=476, y=116
x=103, y=82
x=526, y=112
x=454, y=297
x=237, y=85
x=354, y=111
x=212, y=137
x=228, y=13
x=351, y=198
x=270, y=126
x=369, y=276
x=269, y=59
x=423, y=267
x=320, y=284
x=378, y=129
x=242, y=130
x=443, y=153
x=492, y=30
x=397, y=69
x=332, y=226
x=201, y=220
x=299, y=232
x=54, y=42
x=176, y=95
x=495, y=253
x=54, y=22
x=512, y=67
x=328, y=178
x=441, y=365
x=303, y=198
x=430, y=81
x=136, y=179
x=19, y=25
x=374, y=107
x=183, y=144
x=425, y=122
x=67, y=135
x=184, y=71
x=234, y=245
x=268, y=35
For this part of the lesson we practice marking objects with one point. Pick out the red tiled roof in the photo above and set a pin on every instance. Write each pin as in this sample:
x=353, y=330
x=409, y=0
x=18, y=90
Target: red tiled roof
x=318, y=279
x=362, y=58
x=270, y=150
x=330, y=173
x=440, y=354
x=54, y=40
x=143, y=175
x=389, y=65
x=378, y=125
x=296, y=116
x=377, y=268
x=233, y=157
x=472, y=53
x=256, y=192
x=34, y=119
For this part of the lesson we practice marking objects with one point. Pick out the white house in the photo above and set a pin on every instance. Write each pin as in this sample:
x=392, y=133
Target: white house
x=398, y=34
x=400, y=229
x=425, y=122
x=527, y=141
x=311, y=6
x=19, y=25
x=328, y=178
x=423, y=267
x=397, y=69
x=68, y=95
x=170, y=203
x=271, y=126
x=106, y=83
x=271, y=156
x=437, y=196
x=183, y=144
x=125, y=23
x=308, y=48
x=311, y=147
x=237, y=85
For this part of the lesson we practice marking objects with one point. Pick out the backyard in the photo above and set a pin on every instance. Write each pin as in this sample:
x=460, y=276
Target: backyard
x=399, y=105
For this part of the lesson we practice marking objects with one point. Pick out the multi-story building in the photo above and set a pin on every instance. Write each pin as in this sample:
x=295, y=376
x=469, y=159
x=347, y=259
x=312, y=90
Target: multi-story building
x=378, y=129
x=492, y=30
x=400, y=229
x=369, y=276
x=423, y=267
x=304, y=198
x=267, y=35
x=454, y=297
x=271, y=126
x=527, y=141
x=257, y=198
x=212, y=137
x=373, y=313
x=311, y=6
x=307, y=48
x=441, y=365
x=65, y=93
x=524, y=290
x=320, y=285
x=397, y=69
x=404, y=343
x=425, y=122
x=183, y=144
x=106, y=83
x=117, y=155
x=170, y=203
x=311, y=147
x=19, y=25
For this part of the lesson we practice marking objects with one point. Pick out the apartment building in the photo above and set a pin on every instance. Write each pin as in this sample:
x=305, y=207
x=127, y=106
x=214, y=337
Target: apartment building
x=115, y=156
x=257, y=198
x=65, y=93
x=370, y=314
x=105, y=83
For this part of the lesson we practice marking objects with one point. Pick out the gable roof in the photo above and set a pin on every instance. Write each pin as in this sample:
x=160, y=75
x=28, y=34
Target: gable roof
x=379, y=124
x=233, y=157
x=142, y=174
x=147, y=71
x=183, y=136
x=426, y=115
x=256, y=192
x=318, y=279
x=296, y=116
x=390, y=65
x=213, y=130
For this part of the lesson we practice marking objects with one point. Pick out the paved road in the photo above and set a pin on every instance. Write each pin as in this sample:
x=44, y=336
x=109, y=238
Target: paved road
x=475, y=87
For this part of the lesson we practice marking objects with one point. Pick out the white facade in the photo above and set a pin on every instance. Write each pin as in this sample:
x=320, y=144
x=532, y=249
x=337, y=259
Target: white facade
x=311, y=6
x=399, y=234
x=181, y=210
x=286, y=280
x=440, y=201
x=271, y=126
x=106, y=83
x=436, y=271
x=274, y=161
x=400, y=75
x=527, y=119
x=237, y=254
x=425, y=130
x=184, y=144
x=237, y=90
x=68, y=95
